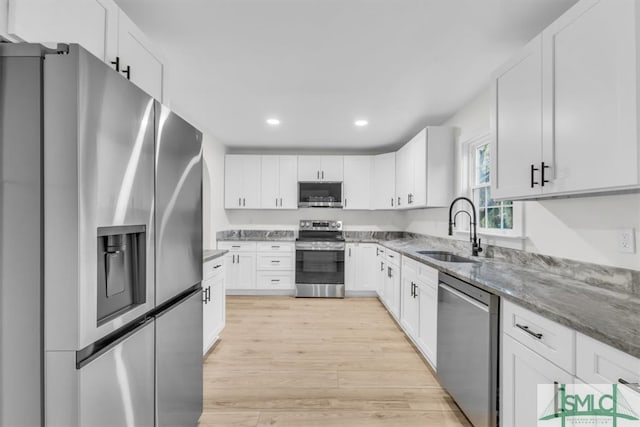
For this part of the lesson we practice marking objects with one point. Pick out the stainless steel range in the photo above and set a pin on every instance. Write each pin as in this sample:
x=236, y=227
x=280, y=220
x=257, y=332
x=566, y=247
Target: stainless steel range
x=320, y=259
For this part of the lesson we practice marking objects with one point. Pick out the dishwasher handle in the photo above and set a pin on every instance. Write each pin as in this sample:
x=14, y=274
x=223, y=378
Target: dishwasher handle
x=464, y=297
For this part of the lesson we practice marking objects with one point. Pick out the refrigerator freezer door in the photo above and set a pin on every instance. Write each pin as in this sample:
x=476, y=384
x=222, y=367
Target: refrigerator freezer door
x=116, y=388
x=99, y=172
x=178, y=205
x=179, y=363
x=21, y=237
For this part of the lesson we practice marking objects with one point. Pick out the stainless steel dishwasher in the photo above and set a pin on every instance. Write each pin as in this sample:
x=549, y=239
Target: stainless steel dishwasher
x=468, y=348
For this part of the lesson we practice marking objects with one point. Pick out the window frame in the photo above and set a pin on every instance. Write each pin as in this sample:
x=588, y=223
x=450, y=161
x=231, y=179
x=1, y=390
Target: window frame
x=469, y=178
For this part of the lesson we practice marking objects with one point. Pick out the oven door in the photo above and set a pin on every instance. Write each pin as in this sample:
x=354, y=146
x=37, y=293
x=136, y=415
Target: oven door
x=320, y=266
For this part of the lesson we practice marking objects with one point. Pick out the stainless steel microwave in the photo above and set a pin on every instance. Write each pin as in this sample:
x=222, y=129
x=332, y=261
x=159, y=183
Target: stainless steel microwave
x=320, y=194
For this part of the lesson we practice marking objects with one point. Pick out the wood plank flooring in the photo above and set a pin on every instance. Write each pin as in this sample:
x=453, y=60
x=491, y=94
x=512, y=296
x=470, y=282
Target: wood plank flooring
x=283, y=361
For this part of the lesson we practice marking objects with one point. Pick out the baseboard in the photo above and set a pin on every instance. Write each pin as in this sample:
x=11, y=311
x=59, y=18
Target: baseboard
x=261, y=292
x=360, y=294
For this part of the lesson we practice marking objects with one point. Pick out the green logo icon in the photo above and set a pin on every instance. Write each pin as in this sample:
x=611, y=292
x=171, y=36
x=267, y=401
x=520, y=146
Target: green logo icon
x=588, y=405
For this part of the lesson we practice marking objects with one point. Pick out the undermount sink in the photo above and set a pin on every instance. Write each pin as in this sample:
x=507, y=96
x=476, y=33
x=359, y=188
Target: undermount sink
x=446, y=256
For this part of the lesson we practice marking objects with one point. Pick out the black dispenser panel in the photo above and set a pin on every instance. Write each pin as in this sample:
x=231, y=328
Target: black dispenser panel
x=121, y=270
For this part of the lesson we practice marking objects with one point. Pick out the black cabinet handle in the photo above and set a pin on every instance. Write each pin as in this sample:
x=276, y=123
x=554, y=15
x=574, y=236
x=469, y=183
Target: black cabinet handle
x=204, y=295
x=412, y=285
x=392, y=202
x=633, y=386
x=398, y=201
x=116, y=63
x=533, y=170
x=322, y=174
x=345, y=202
x=542, y=168
x=381, y=266
x=527, y=330
x=127, y=72
x=280, y=201
x=243, y=202
x=239, y=201
x=318, y=174
x=217, y=266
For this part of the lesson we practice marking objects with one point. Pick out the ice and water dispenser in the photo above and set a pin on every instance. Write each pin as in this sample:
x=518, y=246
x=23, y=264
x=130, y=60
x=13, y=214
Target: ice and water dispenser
x=121, y=270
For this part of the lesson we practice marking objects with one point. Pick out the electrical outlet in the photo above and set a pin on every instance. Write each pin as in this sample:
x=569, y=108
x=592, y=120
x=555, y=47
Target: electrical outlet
x=627, y=240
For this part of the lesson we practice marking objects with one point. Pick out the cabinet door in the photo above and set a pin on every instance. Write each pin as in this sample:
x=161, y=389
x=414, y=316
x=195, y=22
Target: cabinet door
x=134, y=50
x=288, y=182
x=367, y=265
x=392, y=290
x=404, y=175
x=231, y=271
x=309, y=168
x=350, y=266
x=251, y=174
x=409, y=304
x=233, y=171
x=332, y=168
x=517, y=125
x=64, y=21
x=590, y=71
x=270, y=182
x=383, y=181
x=246, y=270
x=522, y=371
x=356, y=187
x=418, y=151
x=218, y=299
x=208, y=317
x=428, y=321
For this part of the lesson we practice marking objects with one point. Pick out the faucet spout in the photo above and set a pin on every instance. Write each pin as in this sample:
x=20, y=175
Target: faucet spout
x=473, y=237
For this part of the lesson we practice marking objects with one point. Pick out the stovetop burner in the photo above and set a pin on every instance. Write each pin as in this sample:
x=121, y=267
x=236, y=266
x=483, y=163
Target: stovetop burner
x=320, y=231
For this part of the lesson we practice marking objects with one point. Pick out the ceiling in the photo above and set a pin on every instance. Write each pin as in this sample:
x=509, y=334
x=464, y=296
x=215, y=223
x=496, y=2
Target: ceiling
x=318, y=65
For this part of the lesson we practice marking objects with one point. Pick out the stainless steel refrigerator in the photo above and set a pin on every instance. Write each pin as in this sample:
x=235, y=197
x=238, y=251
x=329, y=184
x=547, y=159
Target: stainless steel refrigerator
x=101, y=229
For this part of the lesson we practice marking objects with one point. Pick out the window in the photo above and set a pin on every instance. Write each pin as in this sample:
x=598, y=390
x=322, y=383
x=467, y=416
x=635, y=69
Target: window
x=492, y=215
x=498, y=218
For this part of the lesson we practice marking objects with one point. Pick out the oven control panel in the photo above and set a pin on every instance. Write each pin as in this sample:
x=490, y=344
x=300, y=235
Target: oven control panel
x=320, y=225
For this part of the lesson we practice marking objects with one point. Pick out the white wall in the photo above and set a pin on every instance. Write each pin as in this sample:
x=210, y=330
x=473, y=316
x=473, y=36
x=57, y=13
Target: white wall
x=583, y=229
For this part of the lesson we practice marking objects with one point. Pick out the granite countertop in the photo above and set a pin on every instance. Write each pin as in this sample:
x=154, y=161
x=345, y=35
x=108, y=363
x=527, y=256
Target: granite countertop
x=256, y=235
x=607, y=315
x=209, y=254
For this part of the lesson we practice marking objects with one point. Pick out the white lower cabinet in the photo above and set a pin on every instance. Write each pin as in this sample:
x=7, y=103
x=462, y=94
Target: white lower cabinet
x=522, y=371
x=213, y=299
x=419, y=306
x=360, y=274
x=391, y=291
x=239, y=264
x=259, y=266
x=379, y=269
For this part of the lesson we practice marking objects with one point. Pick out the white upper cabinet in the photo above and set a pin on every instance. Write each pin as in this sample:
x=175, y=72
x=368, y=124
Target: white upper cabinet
x=137, y=61
x=357, y=183
x=63, y=21
x=320, y=168
x=566, y=112
x=242, y=176
x=425, y=169
x=279, y=182
x=517, y=124
x=590, y=107
x=97, y=25
x=383, y=181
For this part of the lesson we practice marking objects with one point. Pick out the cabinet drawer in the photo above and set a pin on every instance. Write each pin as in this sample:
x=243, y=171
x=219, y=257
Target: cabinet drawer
x=392, y=257
x=275, y=280
x=599, y=363
x=275, y=247
x=275, y=262
x=551, y=340
x=238, y=246
x=213, y=268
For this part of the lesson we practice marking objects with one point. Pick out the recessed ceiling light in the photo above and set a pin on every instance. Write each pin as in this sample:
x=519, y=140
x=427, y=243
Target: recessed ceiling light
x=273, y=122
x=361, y=123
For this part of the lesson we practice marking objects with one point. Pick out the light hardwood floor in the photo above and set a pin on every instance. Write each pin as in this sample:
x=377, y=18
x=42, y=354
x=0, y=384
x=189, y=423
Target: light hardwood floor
x=283, y=361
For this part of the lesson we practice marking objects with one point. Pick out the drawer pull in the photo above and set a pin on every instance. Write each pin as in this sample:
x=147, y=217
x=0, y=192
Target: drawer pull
x=217, y=266
x=527, y=330
x=235, y=246
x=275, y=280
x=275, y=247
x=633, y=386
x=275, y=261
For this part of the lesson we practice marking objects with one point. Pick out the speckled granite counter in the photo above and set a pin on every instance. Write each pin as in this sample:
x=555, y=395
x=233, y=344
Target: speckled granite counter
x=608, y=314
x=257, y=235
x=209, y=254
